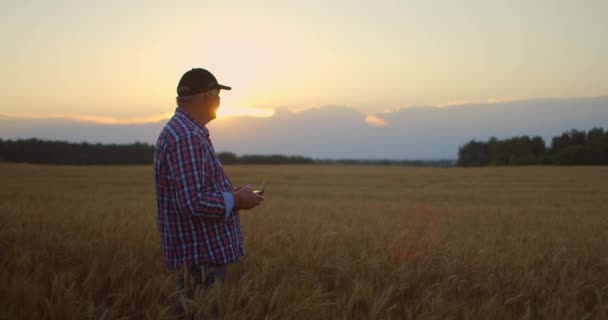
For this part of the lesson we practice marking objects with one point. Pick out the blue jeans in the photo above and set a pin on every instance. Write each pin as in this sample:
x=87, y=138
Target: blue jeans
x=211, y=272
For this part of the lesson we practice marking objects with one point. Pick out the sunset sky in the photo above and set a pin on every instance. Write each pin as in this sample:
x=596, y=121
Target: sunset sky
x=108, y=61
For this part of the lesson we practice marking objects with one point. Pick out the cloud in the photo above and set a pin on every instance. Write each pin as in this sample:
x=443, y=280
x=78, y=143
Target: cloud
x=472, y=102
x=376, y=121
x=343, y=132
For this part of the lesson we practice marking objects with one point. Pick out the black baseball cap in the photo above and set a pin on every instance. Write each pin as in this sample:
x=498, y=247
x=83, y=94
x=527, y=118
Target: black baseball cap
x=196, y=81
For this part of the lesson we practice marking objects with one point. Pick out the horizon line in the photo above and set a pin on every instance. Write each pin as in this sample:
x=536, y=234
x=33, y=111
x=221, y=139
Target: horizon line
x=106, y=120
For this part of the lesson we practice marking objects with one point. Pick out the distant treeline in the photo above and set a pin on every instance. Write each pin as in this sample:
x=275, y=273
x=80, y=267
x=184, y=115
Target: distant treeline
x=60, y=152
x=231, y=158
x=570, y=148
x=391, y=162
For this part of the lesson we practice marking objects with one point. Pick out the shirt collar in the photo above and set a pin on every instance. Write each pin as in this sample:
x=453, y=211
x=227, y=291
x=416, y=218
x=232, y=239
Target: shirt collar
x=183, y=114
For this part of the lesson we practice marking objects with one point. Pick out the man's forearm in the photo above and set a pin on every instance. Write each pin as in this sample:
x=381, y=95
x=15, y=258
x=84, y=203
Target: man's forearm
x=214, y=205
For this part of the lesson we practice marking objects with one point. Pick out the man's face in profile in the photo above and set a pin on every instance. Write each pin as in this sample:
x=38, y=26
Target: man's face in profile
x=212, y=99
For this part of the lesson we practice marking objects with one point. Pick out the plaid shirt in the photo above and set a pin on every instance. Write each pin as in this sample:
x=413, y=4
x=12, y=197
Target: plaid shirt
x=196, y=220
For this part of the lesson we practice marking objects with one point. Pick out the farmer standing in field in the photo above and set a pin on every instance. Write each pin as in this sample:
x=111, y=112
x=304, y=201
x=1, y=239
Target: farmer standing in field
x=198, y=209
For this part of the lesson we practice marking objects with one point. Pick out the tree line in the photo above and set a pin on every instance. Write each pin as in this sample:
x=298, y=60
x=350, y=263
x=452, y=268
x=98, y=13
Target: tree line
x=231, y=158
x=390, y=162
x=61, y=152
x=572, y=147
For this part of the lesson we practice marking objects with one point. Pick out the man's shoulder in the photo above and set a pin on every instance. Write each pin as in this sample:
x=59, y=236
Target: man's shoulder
x=177, y=130
x=174, y=130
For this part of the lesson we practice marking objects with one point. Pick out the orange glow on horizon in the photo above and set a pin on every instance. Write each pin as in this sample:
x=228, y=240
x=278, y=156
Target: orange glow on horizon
x=91, y=118
x=230, y=111
x=223, y=112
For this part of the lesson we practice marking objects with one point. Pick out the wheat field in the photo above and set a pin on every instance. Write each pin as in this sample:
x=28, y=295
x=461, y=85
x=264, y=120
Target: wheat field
x=330, y=242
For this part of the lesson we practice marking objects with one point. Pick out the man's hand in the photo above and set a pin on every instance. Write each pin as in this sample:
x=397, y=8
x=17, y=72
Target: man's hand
x=245, y=199
x=241, y=187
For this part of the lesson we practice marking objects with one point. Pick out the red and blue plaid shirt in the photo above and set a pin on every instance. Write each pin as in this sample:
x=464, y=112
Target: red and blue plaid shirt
x=196, y=220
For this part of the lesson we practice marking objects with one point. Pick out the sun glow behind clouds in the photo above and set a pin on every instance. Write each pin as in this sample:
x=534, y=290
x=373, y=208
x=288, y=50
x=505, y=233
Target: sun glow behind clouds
x=376, y=121
x=249, y=54
x=228, y=111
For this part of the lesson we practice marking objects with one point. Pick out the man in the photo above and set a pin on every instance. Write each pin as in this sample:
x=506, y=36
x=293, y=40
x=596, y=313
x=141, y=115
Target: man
x=198, y=209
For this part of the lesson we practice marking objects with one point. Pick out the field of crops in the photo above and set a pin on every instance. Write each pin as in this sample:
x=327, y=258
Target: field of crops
x=330, y=242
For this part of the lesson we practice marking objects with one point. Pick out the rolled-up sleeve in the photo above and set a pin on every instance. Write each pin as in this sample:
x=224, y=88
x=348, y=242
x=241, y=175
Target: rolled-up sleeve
x=228, y=202
x=189, y=169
